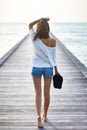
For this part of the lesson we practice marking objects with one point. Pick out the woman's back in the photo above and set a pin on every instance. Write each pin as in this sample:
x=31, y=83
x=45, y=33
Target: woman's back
x=49, y=42
x=44, y=45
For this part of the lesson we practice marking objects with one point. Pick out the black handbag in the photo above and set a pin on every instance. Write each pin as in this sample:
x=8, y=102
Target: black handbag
x=57, y=81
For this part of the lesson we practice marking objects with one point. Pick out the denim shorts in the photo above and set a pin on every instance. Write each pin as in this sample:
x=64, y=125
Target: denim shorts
x=46, y=72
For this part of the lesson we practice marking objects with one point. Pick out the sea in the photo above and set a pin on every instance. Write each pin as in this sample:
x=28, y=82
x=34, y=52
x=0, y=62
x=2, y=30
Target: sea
x=10, y=35
x=72, y=35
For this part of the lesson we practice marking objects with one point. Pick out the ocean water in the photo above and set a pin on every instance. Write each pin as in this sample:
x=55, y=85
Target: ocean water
x=11, y=34
x=74, y=37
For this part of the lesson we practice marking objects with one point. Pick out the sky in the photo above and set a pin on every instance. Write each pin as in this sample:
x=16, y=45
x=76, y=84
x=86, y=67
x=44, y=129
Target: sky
x=56, y=10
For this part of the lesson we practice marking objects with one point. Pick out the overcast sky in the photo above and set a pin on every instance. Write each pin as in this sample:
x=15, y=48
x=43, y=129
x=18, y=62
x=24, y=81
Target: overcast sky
x=57, y=10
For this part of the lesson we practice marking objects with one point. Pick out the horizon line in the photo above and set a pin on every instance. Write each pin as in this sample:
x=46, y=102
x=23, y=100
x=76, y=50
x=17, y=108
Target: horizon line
x=49, y=22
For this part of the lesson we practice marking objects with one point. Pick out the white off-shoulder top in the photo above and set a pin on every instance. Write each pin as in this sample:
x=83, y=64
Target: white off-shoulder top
x=43, y=56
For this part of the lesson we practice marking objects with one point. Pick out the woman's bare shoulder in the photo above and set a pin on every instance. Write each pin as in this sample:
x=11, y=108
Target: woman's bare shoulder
x=52, y=42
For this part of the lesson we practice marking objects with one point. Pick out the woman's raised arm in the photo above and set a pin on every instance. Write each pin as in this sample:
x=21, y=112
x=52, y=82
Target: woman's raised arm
x=33, y=23
x=36, y=21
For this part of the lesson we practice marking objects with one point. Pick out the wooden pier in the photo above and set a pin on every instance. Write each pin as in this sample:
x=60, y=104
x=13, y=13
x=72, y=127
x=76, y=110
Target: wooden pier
x=68, y=107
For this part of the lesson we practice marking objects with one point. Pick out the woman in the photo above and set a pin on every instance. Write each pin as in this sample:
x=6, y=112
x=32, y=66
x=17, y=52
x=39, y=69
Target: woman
x=44, y=60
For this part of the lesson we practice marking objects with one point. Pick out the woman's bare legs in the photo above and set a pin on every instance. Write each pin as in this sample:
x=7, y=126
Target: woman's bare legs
x=37, y=85
x=47, y=84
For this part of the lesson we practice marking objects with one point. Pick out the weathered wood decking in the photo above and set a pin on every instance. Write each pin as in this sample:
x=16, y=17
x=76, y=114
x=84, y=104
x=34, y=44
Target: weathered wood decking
x=68, y=108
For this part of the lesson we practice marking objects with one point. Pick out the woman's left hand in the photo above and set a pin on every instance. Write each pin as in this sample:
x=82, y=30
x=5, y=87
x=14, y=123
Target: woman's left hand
x=47, y=18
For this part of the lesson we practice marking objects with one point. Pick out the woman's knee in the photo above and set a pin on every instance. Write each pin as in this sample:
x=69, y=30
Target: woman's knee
x=46, y=94
x=38, y=93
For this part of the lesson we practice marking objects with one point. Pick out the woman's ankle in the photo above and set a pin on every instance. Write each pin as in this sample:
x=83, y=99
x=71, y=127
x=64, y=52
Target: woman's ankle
x=44, y=117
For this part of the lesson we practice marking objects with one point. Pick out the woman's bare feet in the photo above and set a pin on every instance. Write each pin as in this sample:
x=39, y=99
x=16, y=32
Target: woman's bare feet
x=39, y=122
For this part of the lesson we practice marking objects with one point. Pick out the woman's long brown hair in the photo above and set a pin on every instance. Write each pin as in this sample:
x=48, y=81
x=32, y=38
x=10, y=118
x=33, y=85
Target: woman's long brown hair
x=42, y=30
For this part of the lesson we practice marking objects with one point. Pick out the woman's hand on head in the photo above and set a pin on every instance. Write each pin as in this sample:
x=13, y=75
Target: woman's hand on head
x=47, y=19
